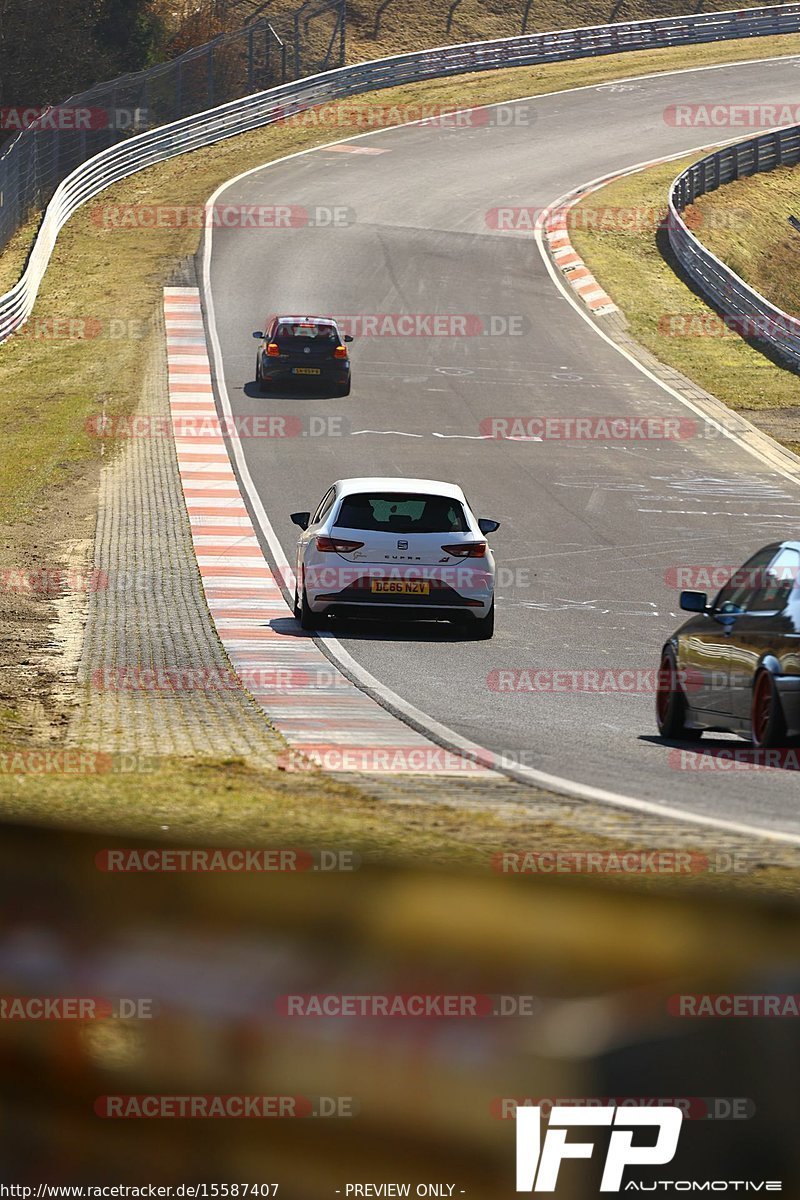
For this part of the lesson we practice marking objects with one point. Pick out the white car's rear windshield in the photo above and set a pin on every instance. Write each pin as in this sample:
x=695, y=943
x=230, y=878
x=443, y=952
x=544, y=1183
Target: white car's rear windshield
x=396, y=512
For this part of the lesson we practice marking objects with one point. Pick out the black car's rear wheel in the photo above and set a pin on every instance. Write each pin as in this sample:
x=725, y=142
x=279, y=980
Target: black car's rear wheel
x=767, y=722
x=262, y=383
x=671, y=703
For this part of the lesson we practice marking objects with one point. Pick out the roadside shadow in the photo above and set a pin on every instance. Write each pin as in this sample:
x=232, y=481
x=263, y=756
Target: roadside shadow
x=723, y=754
x=253, y=391
x=366, y=630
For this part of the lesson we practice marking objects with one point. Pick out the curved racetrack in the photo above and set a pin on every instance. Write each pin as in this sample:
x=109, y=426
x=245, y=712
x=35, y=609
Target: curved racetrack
x=589, y=528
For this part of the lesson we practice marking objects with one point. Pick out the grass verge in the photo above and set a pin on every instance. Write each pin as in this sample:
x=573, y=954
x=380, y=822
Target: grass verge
x=666, y=316
x=227, y=803
x=746, y=224
x=379, y=27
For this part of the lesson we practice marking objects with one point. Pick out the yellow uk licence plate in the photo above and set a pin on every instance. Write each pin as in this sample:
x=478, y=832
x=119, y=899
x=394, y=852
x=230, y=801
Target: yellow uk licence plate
x=408, y=587
x=306, y=370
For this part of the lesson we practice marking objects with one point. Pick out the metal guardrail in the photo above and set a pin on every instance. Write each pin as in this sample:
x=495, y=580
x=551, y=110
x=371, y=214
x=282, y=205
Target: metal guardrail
x=743, y=309
x=205, y=128
x=68, y=134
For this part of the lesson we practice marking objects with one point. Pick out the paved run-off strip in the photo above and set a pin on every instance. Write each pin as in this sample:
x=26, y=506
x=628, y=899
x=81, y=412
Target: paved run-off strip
x=324, y=717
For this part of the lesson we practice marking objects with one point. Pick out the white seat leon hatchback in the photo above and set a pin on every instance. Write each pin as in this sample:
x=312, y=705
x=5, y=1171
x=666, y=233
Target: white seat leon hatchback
x=395, y=549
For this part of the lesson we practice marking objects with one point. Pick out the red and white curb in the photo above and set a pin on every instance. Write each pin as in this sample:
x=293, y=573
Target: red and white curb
x=567, y=259
x=324, y=717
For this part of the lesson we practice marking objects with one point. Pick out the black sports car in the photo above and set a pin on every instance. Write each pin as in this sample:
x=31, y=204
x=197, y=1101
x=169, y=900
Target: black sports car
x=734, y=666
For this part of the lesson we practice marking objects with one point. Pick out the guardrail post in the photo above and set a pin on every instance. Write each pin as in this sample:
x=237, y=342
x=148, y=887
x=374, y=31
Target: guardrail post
x=178, y=89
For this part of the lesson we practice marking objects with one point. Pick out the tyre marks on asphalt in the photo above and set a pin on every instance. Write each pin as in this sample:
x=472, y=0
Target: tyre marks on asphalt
x=325, y=718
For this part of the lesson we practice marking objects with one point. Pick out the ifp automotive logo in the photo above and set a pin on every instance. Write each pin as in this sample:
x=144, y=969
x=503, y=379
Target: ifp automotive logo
x=538, y=1163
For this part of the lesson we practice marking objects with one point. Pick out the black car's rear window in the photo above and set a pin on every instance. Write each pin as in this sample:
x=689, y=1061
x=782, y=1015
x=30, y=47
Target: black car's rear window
x=305, y=332
x=398, y=512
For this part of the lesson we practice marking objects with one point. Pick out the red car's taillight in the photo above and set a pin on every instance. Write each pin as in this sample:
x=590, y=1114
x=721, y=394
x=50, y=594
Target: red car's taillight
x=466, y=550
x=337, y=545
x=272, y=350
x=340, y=352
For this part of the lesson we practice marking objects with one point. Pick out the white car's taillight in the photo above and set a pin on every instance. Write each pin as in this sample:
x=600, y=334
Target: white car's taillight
x=334, y=545
x=466, y=550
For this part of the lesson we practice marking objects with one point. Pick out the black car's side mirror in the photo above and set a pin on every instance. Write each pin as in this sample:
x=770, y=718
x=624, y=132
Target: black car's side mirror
x=258, y=334
x=694, y=601
x=348, y=337
x=301, y=519
x=487, y=526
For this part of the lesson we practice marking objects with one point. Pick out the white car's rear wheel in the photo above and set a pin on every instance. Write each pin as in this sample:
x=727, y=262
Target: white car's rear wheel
x=309, y=620
x=478, y=629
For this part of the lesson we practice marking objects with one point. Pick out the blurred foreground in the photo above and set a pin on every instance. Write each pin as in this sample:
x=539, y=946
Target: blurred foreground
x=565, y=989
